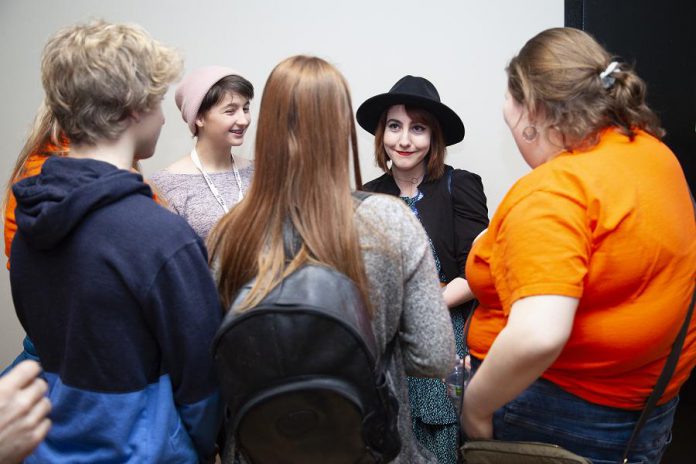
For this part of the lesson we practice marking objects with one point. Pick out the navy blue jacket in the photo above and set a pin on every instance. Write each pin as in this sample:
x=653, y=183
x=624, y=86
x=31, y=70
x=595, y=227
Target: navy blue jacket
x=116, y=295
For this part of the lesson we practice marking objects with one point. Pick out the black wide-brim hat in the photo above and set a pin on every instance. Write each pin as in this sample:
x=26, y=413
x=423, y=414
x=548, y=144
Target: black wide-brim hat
x=415, y=92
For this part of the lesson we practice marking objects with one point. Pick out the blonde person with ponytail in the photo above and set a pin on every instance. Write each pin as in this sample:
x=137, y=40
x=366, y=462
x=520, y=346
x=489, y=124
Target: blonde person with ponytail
x=305, y=139
x=44, y=140
x=585, y=274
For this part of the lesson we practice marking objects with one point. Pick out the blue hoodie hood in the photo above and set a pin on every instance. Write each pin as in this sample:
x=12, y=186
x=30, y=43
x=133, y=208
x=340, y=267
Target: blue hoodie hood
x=50, y=205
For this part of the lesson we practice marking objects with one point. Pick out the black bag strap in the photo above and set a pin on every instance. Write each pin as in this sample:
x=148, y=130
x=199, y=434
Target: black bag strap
x=663, y=380
x=292, y=243
x=291, y=239
x=360, y=195
x=666, y=374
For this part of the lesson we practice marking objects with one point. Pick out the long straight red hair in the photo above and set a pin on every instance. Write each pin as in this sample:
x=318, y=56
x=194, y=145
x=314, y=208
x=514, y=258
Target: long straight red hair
x=305, y=136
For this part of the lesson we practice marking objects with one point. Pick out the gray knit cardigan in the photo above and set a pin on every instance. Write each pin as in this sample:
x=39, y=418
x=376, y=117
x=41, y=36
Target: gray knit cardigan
x=407, y=300
x=406, y=296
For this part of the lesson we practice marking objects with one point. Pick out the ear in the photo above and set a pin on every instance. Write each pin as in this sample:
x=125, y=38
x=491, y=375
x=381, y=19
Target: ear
x=136, y=116
x=199, y=122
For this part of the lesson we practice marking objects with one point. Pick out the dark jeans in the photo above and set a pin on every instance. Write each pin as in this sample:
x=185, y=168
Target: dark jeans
x=546, y=413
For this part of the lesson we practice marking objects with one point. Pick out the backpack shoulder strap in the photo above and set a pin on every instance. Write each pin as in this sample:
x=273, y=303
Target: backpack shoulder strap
x=291, y=239
x=360, y=195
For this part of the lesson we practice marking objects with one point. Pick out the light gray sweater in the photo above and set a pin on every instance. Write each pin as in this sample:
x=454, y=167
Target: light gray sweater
x=188, y=195
x=406, y=296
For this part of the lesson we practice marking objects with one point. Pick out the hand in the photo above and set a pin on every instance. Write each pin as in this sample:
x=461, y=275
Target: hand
x=23, y=412
x=476, y=427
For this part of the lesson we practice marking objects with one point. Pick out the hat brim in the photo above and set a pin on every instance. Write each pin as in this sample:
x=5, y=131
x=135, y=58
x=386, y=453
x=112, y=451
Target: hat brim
x=371, y=110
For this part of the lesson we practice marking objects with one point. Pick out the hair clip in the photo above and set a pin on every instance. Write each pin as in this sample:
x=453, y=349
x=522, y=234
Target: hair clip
x=606, y=75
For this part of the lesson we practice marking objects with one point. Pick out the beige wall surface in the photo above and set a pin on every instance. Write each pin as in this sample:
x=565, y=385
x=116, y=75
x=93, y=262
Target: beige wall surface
x=462, y=46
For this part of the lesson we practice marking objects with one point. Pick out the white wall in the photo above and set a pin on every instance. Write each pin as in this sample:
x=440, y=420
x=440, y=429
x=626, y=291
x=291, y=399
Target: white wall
x=462, y=46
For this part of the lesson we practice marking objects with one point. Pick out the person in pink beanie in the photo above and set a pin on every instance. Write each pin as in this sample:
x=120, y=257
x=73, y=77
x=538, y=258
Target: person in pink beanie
x=203, y=185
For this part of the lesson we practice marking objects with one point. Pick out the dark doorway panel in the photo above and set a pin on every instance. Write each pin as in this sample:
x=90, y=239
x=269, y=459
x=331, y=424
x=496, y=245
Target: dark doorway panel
x=659, y=38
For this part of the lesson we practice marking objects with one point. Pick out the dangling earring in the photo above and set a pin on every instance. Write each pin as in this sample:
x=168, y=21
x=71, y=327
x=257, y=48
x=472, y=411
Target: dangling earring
x=530, y=133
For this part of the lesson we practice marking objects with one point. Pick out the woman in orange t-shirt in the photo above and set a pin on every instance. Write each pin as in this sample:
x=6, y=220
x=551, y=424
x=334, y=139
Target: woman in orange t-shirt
x=586, y=271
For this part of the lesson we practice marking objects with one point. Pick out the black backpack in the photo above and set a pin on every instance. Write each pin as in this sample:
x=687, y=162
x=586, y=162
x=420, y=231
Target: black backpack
x=300, y=375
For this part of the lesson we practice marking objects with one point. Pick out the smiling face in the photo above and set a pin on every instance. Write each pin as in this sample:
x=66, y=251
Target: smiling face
x=406, y=141
x=226, y=122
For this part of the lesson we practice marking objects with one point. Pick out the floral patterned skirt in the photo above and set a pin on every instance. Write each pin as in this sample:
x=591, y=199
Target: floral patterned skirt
x=435, y=421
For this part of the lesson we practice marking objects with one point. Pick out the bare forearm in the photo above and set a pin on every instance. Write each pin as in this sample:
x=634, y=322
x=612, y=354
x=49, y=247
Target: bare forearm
x=457, y=292
x=537, y=330
x=512, y=364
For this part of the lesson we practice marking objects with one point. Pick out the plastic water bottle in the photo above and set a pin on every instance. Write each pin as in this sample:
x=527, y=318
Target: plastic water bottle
x=455, y=383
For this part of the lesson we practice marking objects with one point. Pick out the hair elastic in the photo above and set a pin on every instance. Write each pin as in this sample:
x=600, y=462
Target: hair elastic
x=606, y=75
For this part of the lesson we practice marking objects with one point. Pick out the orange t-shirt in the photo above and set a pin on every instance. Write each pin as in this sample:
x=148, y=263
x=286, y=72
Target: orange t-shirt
x=614, y=227
x=32, y=167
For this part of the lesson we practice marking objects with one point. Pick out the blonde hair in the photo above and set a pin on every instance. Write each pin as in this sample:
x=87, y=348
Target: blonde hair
x=96, y=75
x=304, y=141
x=556, y=75
x=434, y=160
x=44, y=139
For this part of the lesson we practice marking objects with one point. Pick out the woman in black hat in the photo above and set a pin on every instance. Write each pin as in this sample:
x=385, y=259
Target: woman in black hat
x=412, y=128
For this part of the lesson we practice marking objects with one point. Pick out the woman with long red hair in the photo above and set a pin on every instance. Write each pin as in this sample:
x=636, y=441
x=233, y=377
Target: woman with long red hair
x=306, y=135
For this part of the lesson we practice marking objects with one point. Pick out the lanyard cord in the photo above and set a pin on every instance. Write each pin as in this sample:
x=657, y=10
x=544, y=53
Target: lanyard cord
x=216, y=193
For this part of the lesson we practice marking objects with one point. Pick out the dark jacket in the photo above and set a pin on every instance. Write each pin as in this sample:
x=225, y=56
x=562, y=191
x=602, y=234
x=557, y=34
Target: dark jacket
x=116, y=295
x=453, y=212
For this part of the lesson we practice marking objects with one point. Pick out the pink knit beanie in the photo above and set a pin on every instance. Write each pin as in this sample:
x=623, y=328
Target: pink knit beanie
x=192, y=89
